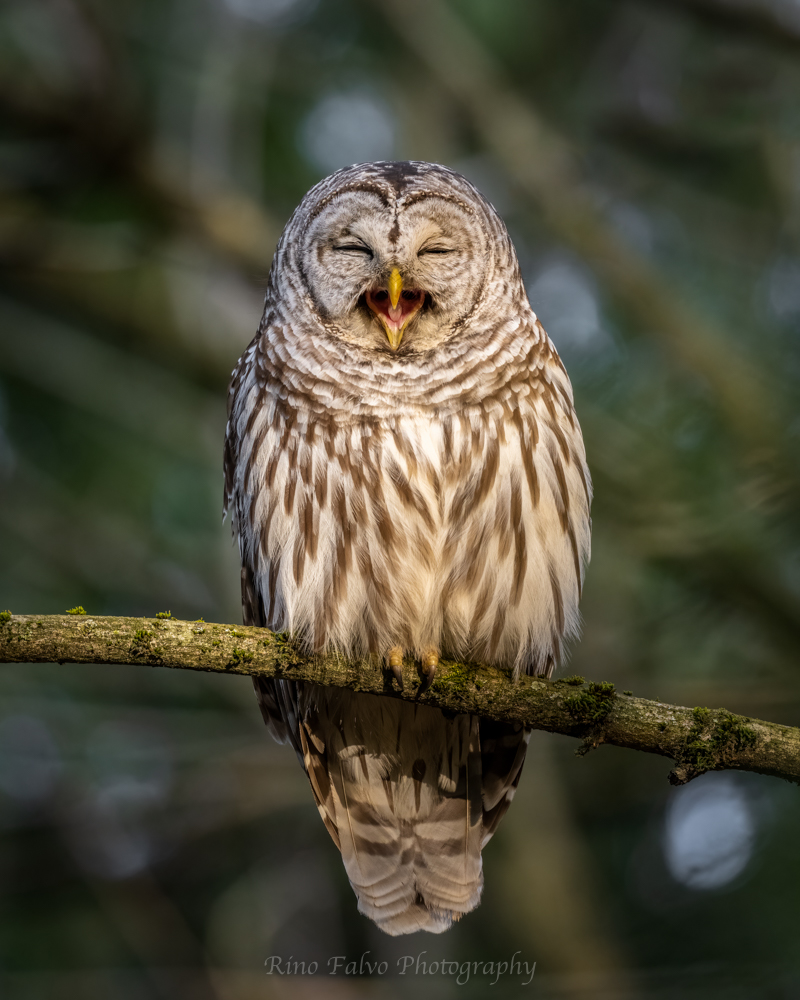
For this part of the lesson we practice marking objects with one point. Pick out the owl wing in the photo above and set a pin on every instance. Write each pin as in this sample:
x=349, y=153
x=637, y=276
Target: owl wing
x=503, y=748
x=278, y=700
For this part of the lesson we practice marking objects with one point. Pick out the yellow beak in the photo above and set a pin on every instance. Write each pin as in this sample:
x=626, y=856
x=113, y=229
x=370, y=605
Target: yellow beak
x=395, y=287
x=402, y=307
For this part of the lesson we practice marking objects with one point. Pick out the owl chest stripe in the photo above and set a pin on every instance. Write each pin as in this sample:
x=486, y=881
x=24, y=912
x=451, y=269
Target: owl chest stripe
x=422, y=486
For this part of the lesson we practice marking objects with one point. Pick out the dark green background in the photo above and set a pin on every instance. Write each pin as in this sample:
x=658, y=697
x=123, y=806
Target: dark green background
x=153, y=841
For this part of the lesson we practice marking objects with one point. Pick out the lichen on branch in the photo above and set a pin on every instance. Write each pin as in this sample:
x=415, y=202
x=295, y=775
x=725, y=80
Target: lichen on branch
x=697, y=739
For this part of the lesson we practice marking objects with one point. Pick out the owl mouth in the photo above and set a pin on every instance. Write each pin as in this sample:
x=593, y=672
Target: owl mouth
x=395, y=307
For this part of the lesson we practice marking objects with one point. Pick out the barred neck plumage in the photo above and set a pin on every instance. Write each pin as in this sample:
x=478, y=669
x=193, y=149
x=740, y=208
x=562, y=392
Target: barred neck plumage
x=304, y=365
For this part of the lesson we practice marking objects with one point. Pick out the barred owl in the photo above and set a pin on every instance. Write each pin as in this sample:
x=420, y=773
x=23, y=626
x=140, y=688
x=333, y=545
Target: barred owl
x=406, y=477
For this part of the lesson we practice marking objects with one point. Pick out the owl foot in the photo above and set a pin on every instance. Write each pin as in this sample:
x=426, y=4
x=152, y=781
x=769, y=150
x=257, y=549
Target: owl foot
x=394, y=661
x=430, y=661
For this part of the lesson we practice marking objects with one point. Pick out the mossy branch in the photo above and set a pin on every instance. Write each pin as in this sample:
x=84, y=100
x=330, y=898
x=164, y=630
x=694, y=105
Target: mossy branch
x=697, y=739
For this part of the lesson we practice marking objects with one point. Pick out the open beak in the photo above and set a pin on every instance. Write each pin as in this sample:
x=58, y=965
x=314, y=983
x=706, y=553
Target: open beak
x=395, y=306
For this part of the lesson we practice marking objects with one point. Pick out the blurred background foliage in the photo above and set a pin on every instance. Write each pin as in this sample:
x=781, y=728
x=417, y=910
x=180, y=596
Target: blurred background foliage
x=646, y=157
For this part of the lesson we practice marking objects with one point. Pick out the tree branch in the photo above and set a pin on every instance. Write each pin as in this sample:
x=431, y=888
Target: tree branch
x=697, y=739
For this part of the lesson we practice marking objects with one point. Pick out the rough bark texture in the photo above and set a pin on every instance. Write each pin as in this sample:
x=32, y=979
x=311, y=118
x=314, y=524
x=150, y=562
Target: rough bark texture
x=697, y=739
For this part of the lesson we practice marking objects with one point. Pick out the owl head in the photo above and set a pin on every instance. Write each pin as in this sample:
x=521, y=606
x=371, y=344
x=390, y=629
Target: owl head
x=396, y=257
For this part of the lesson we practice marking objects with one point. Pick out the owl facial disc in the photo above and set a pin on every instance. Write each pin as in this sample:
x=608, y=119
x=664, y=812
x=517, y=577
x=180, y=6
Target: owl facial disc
x=395, y=306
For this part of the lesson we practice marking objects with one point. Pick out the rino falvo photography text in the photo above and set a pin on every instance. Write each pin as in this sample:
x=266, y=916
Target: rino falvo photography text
x=491, y=971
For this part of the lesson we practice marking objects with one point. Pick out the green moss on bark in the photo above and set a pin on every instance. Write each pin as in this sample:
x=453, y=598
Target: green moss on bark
x=713, y=740
x=591, y=706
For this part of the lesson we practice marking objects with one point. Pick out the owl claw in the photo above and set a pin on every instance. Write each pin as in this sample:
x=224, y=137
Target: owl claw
x=394, y=660
x=430, y=661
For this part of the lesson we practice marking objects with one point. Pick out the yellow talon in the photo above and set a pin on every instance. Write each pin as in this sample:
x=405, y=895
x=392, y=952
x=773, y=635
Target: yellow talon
x=394, y=658
x=430, y=661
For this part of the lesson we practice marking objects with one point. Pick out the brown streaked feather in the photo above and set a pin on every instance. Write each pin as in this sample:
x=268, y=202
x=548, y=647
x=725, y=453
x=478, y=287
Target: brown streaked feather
x=527, y=444
x=298, y=560
x=289, y=491
x=520, y=550
x=482, y=604
x=576, y=559
x=321, y=485
x=562, y=496
x=274, y=569
x=558, y=599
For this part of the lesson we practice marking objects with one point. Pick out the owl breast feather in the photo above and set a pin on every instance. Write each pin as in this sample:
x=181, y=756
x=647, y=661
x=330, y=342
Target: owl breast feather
x=464, y=532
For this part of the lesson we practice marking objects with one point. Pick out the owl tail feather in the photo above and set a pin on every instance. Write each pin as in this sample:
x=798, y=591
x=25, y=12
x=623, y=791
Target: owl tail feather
x=408, y=796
